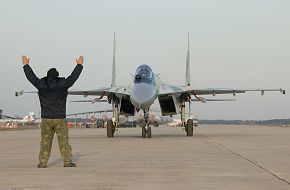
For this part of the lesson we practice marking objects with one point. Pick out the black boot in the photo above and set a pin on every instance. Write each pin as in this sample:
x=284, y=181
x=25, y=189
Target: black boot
x=41, y=165
x=70, y=165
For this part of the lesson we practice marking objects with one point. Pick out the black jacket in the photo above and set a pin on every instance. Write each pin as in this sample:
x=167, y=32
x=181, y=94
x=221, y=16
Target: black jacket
x=53, y=92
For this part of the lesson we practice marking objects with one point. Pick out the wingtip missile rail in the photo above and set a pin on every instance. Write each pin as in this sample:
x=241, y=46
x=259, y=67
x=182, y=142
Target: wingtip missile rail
x=20, y=93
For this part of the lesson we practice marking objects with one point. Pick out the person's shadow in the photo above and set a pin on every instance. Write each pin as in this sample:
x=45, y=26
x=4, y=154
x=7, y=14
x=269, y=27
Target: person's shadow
x=76, y=157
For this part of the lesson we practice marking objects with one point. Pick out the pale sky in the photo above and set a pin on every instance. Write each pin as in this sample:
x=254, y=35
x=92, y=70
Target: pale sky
x=234, y=44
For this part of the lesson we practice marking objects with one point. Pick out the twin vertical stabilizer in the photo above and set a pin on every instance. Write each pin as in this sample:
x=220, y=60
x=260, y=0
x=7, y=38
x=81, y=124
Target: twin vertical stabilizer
x=114, y=63
x=187, y=75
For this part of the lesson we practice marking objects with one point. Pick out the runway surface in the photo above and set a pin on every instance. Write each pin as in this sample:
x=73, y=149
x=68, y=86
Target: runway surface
x=216, y=157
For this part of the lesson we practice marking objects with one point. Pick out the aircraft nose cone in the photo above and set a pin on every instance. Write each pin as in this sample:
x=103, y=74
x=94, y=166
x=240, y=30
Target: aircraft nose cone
x=142, y=95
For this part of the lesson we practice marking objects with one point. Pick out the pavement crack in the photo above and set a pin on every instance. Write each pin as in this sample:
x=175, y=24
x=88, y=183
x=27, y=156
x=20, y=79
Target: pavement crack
x=247, y=159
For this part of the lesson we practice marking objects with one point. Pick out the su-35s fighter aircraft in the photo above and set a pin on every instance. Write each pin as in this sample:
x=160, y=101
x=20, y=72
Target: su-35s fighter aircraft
x=145, y=89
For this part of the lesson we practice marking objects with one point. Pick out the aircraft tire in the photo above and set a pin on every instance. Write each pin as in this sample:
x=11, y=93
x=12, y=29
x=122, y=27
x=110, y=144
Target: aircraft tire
x=143, y=132
x=149, y=132
x=110, y=128
x=189, y=124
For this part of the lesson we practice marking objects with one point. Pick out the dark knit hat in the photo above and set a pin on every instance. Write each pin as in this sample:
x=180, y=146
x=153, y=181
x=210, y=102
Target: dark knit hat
x=52, y=73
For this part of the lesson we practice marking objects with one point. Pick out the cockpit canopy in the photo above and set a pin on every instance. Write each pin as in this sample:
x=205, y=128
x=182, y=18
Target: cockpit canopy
x=143, y=74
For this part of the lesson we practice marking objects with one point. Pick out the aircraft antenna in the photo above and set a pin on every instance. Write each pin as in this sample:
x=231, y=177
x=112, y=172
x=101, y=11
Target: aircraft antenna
x=114, y=63
x=187, y=76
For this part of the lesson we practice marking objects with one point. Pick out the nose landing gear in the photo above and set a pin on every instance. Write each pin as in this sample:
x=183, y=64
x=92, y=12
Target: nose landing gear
x=146, y=129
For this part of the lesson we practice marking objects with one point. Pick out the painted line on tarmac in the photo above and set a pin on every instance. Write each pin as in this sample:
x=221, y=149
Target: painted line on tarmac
x=247, y=159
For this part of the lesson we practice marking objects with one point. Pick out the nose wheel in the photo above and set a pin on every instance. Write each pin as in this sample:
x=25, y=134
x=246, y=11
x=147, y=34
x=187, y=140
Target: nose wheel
x=146, y=131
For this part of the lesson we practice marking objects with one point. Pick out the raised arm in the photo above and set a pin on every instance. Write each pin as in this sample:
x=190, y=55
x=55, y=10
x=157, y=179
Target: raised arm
x=29, y=72
x=70, y=80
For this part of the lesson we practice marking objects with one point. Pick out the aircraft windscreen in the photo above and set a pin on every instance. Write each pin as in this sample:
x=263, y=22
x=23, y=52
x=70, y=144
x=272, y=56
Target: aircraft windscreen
x=143, y=74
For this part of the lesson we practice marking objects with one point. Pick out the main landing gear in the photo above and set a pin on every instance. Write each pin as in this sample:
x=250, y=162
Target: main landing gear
x=189, y=127
x=110, y=128
x=112, y=125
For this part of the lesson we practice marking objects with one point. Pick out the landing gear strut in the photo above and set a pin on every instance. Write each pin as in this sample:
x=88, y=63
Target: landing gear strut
x=146, y=132
x=146, y=129
x=188, y=125
x=113, y=126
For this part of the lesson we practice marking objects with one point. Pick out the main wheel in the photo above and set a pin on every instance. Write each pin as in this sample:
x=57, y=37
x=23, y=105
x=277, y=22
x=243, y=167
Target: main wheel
x=143, y=132
x=189, y=126
x=149, y=132
x=110, y=128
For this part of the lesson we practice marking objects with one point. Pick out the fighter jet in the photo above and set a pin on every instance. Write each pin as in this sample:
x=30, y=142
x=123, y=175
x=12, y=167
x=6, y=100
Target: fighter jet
x=146, y=88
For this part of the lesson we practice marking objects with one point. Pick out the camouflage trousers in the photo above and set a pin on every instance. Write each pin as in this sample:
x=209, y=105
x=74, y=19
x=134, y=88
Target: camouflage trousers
x=48, y=128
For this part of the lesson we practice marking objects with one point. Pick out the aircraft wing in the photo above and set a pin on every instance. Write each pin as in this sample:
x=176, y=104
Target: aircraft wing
x=103, y=91
x=90, y=101
x=176, y=90
x=9, y=117
x=214, y=91
x=213, y=100
x=90, y=112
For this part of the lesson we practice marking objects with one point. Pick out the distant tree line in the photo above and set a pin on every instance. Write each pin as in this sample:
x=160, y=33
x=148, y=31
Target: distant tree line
x=247, y=122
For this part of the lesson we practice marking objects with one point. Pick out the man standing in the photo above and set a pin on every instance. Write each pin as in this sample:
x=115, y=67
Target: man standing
x=52, y=91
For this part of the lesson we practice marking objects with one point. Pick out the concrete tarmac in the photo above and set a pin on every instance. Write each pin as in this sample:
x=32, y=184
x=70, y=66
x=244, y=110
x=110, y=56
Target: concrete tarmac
x=216, y=157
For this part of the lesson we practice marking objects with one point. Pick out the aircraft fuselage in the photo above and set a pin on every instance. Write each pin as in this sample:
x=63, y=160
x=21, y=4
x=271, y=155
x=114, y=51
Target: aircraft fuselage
x=145, y=89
